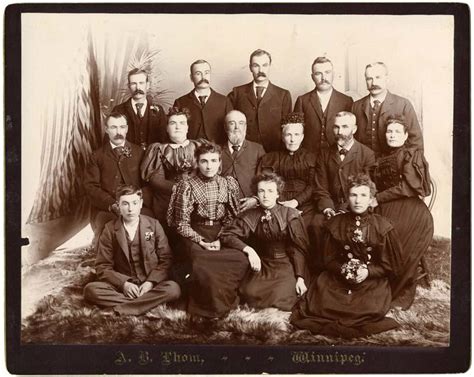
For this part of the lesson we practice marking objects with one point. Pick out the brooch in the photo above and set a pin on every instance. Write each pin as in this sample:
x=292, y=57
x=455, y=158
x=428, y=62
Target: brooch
x=266, y=217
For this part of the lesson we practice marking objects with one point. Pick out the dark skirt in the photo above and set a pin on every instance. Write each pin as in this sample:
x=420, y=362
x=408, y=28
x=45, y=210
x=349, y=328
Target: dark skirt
x=414, y=224
x=273, y=286
x=333, y=307
x=214, y=276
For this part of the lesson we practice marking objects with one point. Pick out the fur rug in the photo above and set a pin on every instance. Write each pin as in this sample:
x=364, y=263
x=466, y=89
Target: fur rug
x=62, y=317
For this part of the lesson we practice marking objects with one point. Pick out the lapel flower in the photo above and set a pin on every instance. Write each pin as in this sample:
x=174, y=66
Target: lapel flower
x=266, y=217
x=148, y=236
x=154, y=108
x=127, y=152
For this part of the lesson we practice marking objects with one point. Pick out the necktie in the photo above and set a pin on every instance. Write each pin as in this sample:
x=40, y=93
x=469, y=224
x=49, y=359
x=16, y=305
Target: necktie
x=139, y=109
x=259, y=92
x=236, y=150
x=118, y=151
x=342, y=153
x=376, y=104
x=202, y=99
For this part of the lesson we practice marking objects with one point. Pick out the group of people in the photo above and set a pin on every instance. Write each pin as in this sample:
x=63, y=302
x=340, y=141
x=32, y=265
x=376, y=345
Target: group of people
x=235, y=199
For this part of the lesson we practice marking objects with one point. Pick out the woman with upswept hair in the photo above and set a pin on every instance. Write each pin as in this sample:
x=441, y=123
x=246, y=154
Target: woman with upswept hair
x=361, y=264
x=274, y=239
x=198, y=210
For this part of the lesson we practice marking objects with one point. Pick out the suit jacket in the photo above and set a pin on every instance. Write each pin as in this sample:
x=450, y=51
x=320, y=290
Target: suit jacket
x=315, y=124
x=392, y=106
x=150, y=129
x=113, y=257
x=105, y=172
x=207, y=122
x=243, y=168
x=264, y=119
x=332, y=173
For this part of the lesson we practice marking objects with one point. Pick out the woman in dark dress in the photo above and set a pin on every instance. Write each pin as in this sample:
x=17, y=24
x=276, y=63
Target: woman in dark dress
x=274, y=239
x=199, y=207
x=402, y=177
x=362, y=259
x=165, y=164
x=295, y=165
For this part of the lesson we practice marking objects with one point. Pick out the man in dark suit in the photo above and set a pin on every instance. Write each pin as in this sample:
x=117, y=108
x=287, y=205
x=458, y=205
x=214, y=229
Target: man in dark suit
x=373, y=111
x=240, y=157
x=208, y=108
x=146, y=120
x=133, y=261
x=320, y=107
x=116, y=163
x=263, y=103
x=345, y=158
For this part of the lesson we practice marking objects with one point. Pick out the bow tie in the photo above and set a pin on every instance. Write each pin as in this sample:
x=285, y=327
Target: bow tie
x=343, y=151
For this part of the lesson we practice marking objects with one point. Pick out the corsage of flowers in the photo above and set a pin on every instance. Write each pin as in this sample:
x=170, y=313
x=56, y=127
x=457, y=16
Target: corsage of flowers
x=127, y=152
x=148, y=236
x=154, y=108
x=349, y=269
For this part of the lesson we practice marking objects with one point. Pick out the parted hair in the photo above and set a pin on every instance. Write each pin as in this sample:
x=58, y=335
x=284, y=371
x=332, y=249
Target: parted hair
x=376, y=64
x=207, y=147
x=399, y=119
x=320, y=60
x=199, y=61
x=260, y=52
x=268, y=177
x=115, y=115
x=127, y=190
x=179, y=111
x=361, y=179
x=136, y=71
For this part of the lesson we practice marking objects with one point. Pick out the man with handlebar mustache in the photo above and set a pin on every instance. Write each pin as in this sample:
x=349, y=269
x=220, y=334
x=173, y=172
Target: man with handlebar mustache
x=373, y=111
x=207, y=107
x=263, y=103
x=146, y=119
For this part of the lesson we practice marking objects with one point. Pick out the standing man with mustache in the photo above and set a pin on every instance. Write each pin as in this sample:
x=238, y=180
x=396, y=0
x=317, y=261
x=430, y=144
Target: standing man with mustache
x=207, y=107
x=263, y=103
x=115, y=163
x=320, y=106
x=373, y=111
x=240, y=157
x=336, y=164
x=146, y=120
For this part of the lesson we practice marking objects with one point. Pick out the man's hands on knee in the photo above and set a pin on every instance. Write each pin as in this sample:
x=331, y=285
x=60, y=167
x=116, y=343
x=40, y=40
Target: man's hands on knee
x=131, y=290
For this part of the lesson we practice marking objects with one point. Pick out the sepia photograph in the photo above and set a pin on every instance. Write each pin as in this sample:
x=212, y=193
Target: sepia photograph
x=237, y=189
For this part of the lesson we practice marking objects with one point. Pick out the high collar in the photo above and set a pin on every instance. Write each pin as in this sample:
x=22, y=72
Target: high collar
x=206, y=179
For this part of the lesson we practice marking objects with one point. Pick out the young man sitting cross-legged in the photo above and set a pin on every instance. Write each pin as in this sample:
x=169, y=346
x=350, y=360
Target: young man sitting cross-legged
x=133, y=261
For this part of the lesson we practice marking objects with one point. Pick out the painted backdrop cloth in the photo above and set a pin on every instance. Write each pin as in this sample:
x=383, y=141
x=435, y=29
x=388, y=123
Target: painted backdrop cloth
x=333, y=306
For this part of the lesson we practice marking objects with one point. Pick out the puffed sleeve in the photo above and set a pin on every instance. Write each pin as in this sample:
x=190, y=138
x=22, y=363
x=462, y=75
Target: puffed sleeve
x=180, y=209
x=234, y=234
x=151, y=163
x=233, y=196
x=298, y=249
x=415, y=178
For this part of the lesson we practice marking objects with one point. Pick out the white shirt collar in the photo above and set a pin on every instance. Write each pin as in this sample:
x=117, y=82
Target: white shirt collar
x=183, y=144
x=145, y=104
x=324, y=98
x=347, y=147
x=131, y=229
x=116, y=146
x=206, y=93
x=229, y=144
x=372, y=99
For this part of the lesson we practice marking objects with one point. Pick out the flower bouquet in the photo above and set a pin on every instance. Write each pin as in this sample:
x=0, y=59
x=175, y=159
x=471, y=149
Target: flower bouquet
x=350, y=268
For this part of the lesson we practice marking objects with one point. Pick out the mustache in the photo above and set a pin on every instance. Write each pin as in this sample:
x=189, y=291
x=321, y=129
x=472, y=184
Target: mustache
x=138, y=91
x=324, y=82
x=119, y=137
x=375, y=87
x=261, y=74
x=203, y=81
